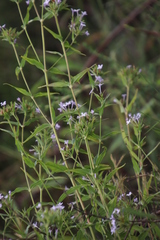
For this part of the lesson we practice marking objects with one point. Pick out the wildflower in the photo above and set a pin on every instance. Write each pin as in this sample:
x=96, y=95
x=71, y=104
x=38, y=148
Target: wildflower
x=38, y=110
x=53, y=137
x=134, y=118
x=3, y=103
x=27, y=2
x=66, y=142
x=113, y=220
x=71, y=204
x=139, y=71
x=82, y=115
x=73, y=217
x=124, y=96
x=58, y=2
x=135, y=200
x=0, y=205
x=129, y=194
x=1, y=196
x=57, y=126
x=39, y=205
x=75, y=11
x=46, y=3
x=2, y=27
x=100, y=89
x=82, y=24
x=99, y=67
x=56, y=233
x=129, y=66
x=59, y=206
x=92, y=111
x=87, y=33
x=67, y=106
x=99, y=79
x=35, y=225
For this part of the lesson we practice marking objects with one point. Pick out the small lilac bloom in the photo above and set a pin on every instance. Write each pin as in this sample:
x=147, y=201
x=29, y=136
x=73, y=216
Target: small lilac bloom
x=129, y=66
x=129, y=194
x=100, y=89
x=135, y=200
x=15, y=40
x=87, y=33
x=59, y=206
x=139, y=71
x=56, y=233
x=73, y=217
x=99, y=67
x=3, y=103
x=1, y=196
x=71, y=204
x=124, y=96
x=35, y=225
x=75, y=11
x=66, y=142
x=57, y=126
x=39, y=205
x=99, y=79
x=91, y=91
x=2, y=27
x=82, y=24
x=46, y=3
x=92, y=111
x=83, y=13
x=58, y=2
x=113, y=220
x=38, y=110
x=0, y=205
x=27, y=2
x=53, y=137
x=18, y=99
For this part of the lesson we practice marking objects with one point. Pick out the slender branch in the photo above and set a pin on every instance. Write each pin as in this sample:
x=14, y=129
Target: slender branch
x=93, y=58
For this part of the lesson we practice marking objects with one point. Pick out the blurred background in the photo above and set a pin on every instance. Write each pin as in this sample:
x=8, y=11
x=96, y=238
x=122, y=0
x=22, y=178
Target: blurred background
x=110, y=43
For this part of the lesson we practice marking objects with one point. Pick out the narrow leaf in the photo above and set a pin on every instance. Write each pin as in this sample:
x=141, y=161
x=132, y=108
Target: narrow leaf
x=34, y=62
x=55, y=35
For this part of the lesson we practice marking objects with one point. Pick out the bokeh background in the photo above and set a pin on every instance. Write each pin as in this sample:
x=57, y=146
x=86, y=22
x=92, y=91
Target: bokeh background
x=110, y=43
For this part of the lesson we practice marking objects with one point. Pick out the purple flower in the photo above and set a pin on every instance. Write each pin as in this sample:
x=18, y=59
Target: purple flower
x=87, y=33
x=2, y=27
x=59, y=206
x=113, y=220
x=82, y=115
x=82, y=24
x=58, y=2
x=3, y=103
x=99, y=79
x=100, y=67
x=57, y=126
x=124, y=96
x=75, y=11
x=66, y=142
x=27, y=2
x=46, y=3
x=38, y=110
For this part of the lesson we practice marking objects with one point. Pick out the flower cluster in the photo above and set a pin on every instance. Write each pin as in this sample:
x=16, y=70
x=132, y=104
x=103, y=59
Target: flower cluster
x=113, y=220
x=3, y=198
x=59, y=206
x=77, y=23
x=135, y=118
x=70, y=105
x=99, y=81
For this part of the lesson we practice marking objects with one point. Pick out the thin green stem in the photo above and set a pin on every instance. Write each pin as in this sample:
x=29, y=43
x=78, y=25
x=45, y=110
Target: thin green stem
x=25, y=29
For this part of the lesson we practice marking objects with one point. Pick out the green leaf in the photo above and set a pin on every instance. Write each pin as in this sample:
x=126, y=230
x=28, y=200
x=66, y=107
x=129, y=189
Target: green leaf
x=17, y=72
x=55, y=167
x=68, y=192
x=37, y=130
x=78, y=77
x=55, y=35
x=42, y=94
x=67, y=45
x=56, y=71
x=19, y=189
x=21, y=90
x=135, y=166
x=81, y=171
x=98, y=159
x=34, y=62
x=132, y=101
x=28, y=162
x=57, y=84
